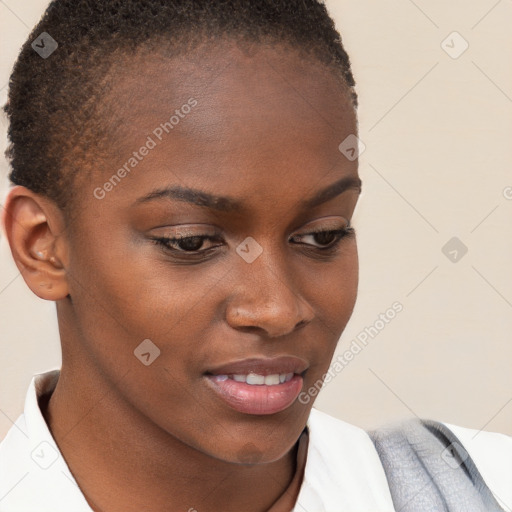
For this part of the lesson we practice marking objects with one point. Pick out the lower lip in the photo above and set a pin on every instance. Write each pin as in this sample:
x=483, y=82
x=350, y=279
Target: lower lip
x=257, y=399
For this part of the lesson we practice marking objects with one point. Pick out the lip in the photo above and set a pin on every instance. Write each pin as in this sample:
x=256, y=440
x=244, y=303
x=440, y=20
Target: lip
x=258, y=399
x=262, y=366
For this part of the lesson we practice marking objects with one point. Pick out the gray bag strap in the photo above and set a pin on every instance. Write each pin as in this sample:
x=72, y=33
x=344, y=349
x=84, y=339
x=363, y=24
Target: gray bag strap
x=428, y=469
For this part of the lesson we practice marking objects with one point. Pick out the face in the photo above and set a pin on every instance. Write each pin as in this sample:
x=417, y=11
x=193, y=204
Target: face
x=205, y=245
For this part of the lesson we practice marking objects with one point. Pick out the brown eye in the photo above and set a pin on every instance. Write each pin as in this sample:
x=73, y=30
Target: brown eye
x=325, y=237
x=326, y=240
x=185, y=244
x=191, y=243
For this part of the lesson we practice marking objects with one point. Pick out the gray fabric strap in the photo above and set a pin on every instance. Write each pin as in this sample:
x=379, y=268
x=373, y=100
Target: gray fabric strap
x=428, y=469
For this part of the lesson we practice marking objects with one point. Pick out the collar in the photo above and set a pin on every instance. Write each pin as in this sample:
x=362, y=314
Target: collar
x=343, y=469
x=33, y=472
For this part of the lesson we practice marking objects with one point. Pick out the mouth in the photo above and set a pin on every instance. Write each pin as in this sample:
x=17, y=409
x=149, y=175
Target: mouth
x=258, y=386
x=255, y=379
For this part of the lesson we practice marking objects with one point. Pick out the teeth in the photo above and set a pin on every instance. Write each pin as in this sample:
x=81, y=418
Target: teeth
x=255, y=379
x=272, y=380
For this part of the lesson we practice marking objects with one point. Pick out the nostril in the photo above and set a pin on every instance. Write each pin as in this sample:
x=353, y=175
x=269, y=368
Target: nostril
x=302, y=323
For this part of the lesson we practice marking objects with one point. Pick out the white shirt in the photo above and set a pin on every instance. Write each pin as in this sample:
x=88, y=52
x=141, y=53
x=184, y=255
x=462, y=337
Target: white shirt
x=343, y=471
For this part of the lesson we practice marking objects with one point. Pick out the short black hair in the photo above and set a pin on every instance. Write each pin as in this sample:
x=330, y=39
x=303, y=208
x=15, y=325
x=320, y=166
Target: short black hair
x=55, y=128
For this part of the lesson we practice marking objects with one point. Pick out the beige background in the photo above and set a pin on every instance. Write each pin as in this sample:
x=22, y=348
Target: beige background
x=437, y=164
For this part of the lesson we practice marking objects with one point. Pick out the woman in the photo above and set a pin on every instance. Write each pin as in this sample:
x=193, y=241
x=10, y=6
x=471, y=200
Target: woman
x=181, y=194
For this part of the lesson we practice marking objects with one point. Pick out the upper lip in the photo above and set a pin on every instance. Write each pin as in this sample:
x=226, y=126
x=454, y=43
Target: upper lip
x=261, y=366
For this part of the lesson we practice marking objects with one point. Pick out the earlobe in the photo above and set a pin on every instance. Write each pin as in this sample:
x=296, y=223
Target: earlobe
x=34, y=226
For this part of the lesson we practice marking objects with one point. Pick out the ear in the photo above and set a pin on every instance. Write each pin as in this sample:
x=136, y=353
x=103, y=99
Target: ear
x=35, y=229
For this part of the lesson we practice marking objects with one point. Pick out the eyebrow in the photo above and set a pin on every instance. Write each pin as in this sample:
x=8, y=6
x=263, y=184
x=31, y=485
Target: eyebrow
x=229, y=204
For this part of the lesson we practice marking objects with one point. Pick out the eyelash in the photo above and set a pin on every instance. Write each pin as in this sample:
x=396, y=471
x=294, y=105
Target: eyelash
x=341, y=234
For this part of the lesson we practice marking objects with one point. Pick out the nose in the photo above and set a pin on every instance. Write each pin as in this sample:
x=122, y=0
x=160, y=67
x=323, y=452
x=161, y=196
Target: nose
x=266, y=299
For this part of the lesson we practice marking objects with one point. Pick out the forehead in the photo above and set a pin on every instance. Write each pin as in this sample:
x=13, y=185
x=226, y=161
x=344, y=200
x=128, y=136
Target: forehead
x=262, y=122
x=239, y=95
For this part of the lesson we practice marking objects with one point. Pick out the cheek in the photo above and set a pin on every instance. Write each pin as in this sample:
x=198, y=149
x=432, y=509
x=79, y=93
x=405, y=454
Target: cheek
x=349, y=281
x=335, y=296
x=128, y=302
x=348, y=278
x=334, y=287
x=130, y=297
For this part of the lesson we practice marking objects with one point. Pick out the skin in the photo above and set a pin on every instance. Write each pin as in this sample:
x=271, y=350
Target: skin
x=266, y=132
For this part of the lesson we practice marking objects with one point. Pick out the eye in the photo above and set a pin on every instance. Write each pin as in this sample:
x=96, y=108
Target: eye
x=327, y=239
x=192, y=246
x=185, y=244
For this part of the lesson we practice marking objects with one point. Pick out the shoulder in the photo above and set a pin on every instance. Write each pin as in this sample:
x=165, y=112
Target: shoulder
x=14, y=460
x=33, y=472
x=491, y=453
x=14, y=443
x=428, y=461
